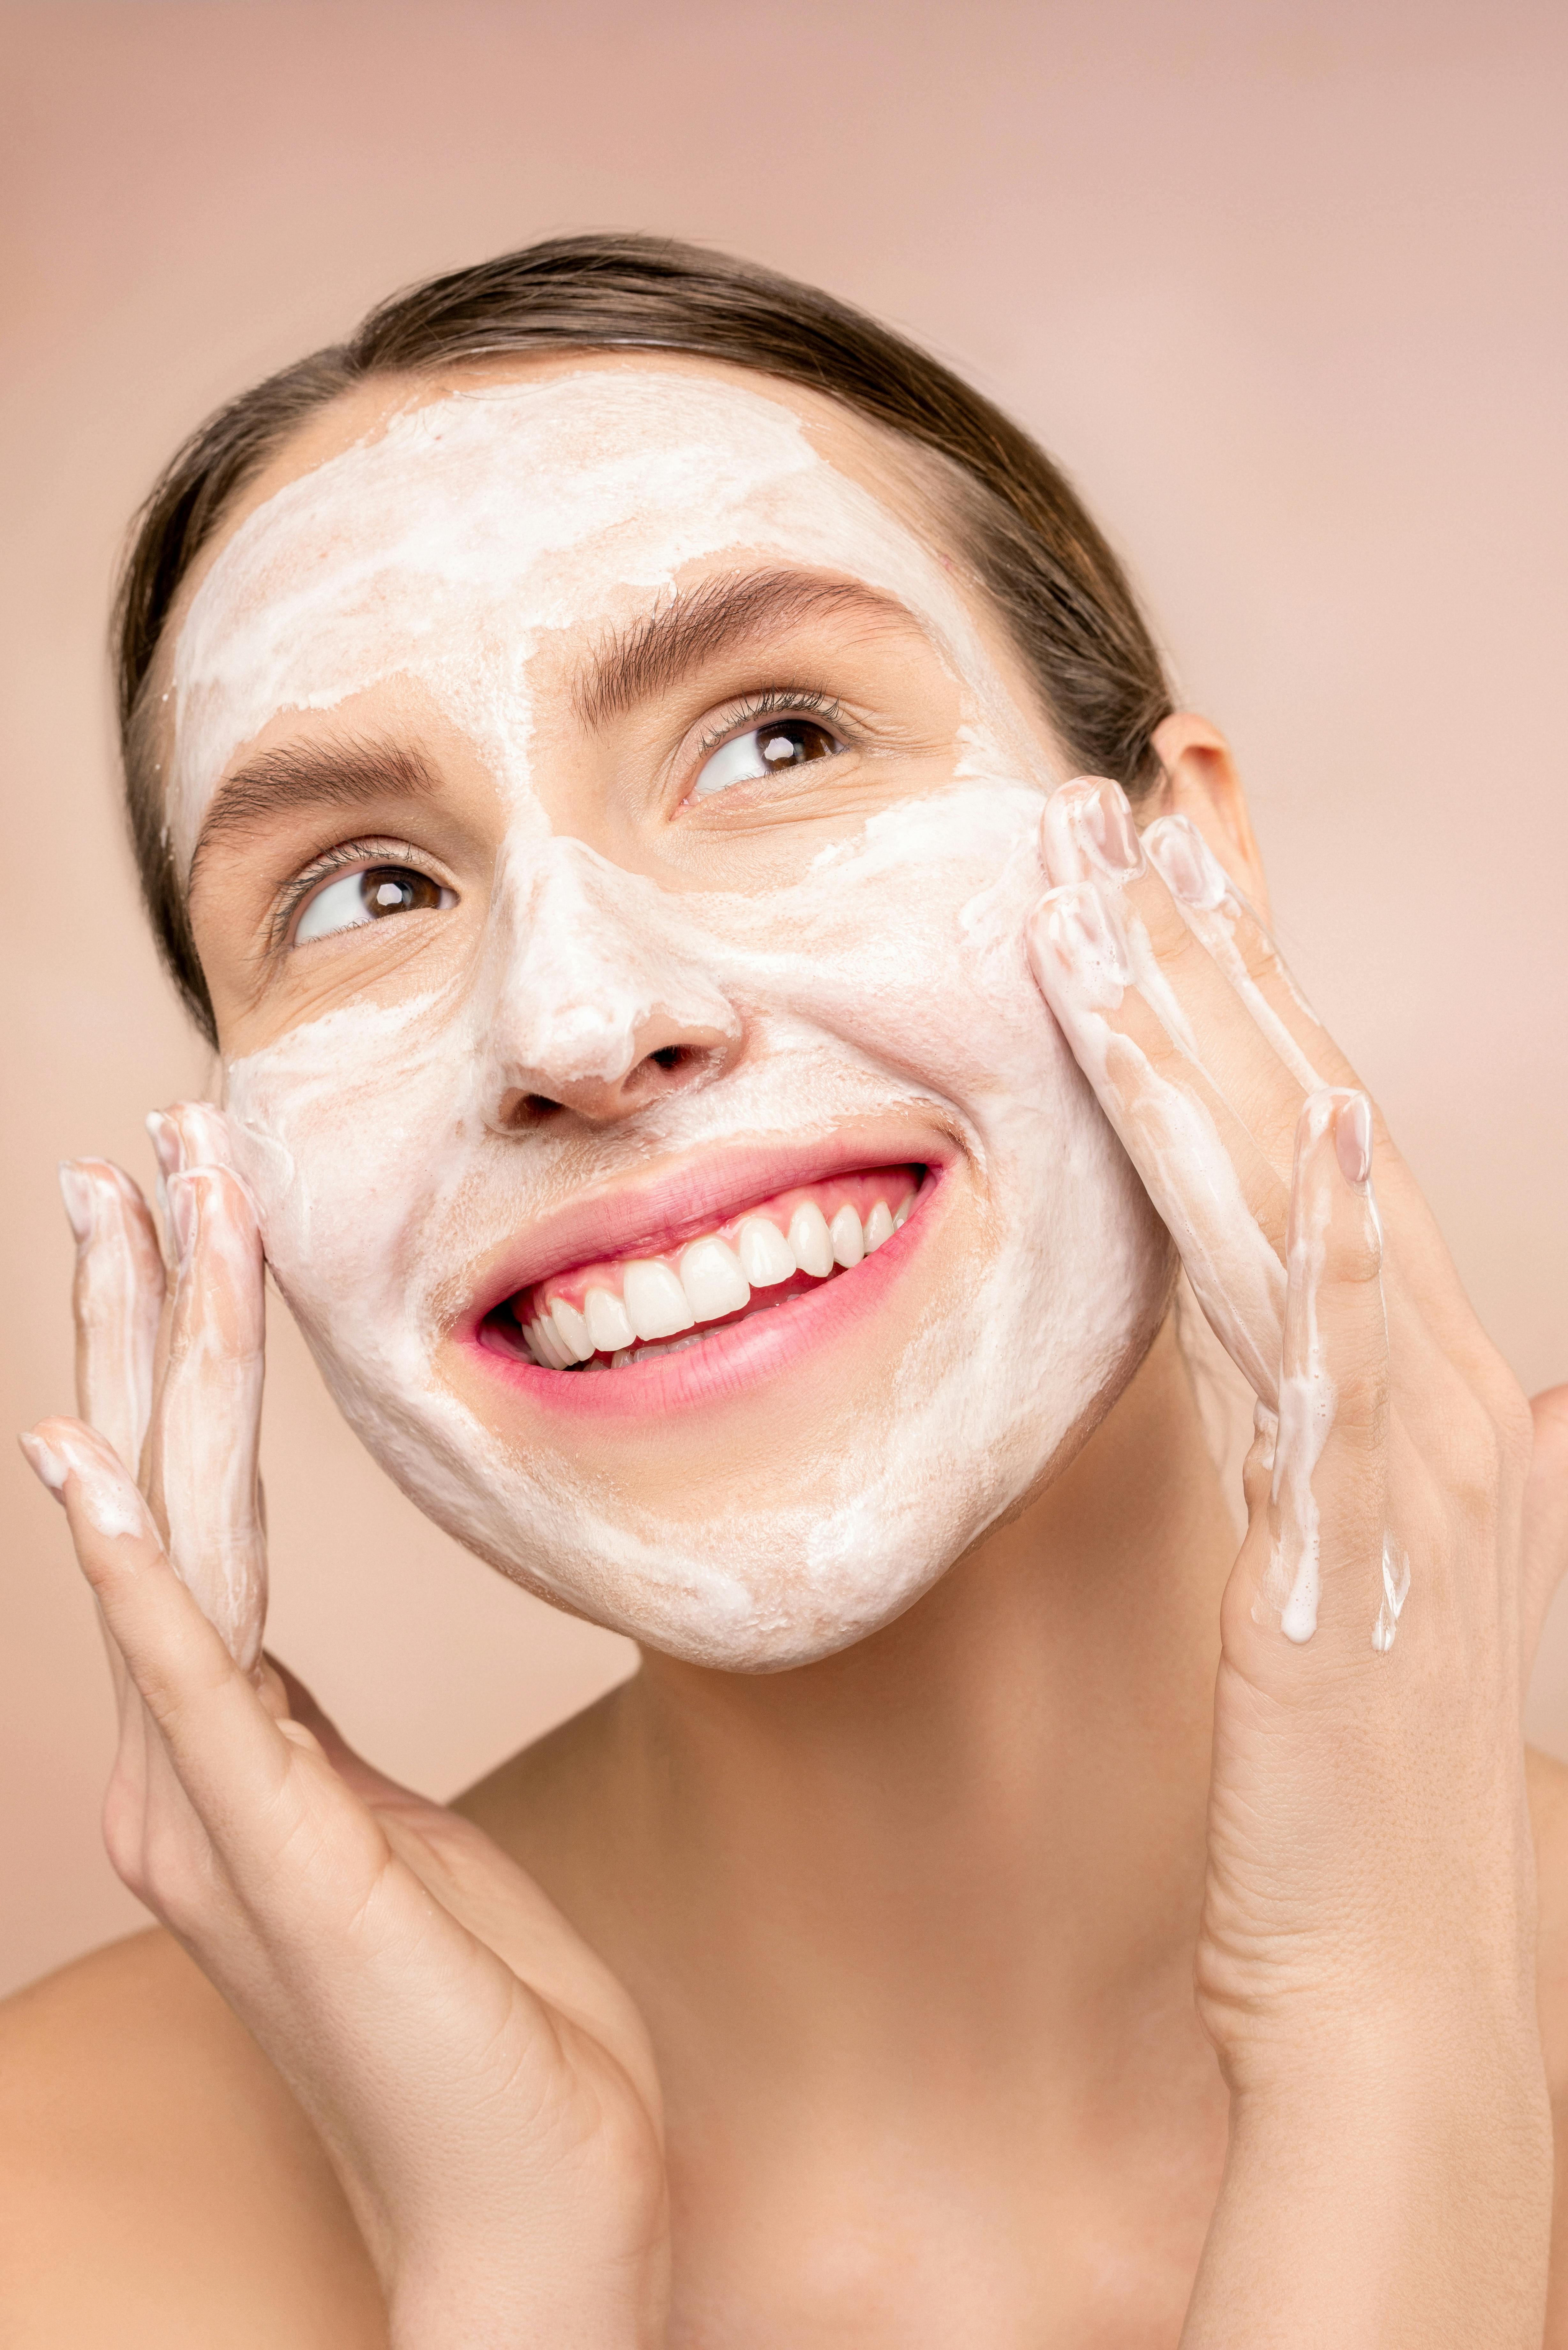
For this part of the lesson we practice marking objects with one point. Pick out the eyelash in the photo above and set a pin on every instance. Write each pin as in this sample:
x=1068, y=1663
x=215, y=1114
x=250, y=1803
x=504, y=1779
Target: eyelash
x=346, y=854
x=753, y=710
x=773, y=703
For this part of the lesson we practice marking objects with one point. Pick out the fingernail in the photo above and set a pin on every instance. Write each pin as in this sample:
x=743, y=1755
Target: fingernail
x=1185, y=862
x=166, y=1142
x=76, y=1192
x=45, y=1464
x=1077, y=922
x=183, y=1214
x=1352, y=1138
x=1109, y=831
x=1061, y=837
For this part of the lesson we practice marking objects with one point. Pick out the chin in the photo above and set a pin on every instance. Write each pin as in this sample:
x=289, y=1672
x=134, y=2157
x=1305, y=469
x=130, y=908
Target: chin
x=899, y=1453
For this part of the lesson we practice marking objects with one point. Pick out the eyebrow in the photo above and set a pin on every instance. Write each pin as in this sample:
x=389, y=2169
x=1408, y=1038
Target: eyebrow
x=697, y=625
x=691, y=629
x=341, y=773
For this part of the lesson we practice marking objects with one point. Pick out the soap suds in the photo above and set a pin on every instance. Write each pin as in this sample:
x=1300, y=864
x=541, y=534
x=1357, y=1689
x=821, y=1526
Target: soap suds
x=891, y=971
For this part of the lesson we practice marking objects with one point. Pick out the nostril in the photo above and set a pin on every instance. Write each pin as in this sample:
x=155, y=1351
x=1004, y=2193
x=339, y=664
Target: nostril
x=665, y=1060
x=518, y=1111
x=599, y=1098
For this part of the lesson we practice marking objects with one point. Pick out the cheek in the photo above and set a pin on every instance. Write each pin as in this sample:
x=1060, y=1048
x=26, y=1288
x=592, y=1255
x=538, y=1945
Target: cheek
x=921, y=968
x=351, y=1134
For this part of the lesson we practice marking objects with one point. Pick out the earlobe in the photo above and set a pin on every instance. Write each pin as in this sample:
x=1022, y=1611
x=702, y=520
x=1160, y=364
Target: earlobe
x=1203, y=783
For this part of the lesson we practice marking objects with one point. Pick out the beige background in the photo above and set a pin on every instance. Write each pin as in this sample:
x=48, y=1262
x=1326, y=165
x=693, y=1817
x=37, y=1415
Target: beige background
x=1284, y=284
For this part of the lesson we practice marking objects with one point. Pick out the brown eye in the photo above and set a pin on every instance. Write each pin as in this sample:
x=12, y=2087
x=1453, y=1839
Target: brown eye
x=792, y=742
x=765, y=751
x=396, y=890
x=369, y=896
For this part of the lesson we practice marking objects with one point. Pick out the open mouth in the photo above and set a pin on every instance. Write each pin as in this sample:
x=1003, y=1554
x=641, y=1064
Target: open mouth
x=615, y=1312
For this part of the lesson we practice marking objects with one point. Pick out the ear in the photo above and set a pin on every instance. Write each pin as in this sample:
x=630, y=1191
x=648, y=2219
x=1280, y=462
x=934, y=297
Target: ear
x=1200, y=783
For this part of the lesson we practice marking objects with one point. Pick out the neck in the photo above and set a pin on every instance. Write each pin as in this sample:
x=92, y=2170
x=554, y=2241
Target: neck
x=987, y=1820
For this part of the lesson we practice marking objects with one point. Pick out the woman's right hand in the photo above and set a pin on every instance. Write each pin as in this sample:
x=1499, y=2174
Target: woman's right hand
x=484, y=2088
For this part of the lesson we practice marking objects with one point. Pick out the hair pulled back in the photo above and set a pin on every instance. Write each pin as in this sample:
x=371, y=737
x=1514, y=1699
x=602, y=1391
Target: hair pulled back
x=1020, y=524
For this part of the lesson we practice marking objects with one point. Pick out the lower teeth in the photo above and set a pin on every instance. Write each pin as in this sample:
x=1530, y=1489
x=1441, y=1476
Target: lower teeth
x=665, y=1346
x=642, y=1354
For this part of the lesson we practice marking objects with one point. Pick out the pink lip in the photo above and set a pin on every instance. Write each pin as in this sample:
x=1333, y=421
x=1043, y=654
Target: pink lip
x=733, y=1355
x=691, y=1198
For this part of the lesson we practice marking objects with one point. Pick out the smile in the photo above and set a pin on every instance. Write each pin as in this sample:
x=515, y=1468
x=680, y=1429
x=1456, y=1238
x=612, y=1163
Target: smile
x=614, y=1312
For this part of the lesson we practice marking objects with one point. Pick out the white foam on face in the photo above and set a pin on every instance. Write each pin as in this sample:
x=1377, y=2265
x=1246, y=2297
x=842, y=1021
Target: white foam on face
x=446, y=547
x=891, y=970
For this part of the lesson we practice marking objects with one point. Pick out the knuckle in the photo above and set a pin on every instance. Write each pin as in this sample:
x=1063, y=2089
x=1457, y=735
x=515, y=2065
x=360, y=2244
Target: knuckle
x=1357, y=1252
x=1180, y=949
x=1515, y=1426
x=1361, y=1405
x=1487, y=1452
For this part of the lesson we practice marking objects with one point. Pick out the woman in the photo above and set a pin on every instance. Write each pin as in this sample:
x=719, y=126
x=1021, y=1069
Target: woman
x=725, y=1106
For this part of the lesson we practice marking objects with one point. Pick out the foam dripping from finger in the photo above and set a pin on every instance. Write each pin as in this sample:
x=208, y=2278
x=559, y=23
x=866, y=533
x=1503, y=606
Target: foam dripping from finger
x=1307, y=1400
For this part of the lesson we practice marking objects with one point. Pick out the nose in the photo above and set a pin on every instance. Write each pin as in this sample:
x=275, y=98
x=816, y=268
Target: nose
x=597, y=1006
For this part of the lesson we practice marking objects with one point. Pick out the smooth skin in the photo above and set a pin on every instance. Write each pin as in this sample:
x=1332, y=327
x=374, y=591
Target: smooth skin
x=855, y=2004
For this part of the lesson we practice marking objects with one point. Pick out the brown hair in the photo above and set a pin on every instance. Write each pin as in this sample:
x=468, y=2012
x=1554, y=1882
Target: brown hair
x=1034, y=548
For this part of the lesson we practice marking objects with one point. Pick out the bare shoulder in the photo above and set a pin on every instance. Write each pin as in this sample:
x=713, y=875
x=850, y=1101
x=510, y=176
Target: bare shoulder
x=159, y=2184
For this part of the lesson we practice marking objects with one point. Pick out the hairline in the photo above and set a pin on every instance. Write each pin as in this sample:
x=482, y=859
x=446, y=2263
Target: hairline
x=951, y=504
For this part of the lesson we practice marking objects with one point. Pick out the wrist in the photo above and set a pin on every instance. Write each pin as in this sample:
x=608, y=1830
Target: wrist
x=1391, y=2192
x=451, y=2313
x=485, y=2296
x=1468, y=2048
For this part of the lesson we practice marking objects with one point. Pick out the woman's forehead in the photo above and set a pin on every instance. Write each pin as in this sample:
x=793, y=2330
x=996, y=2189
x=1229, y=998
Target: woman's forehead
x=855, y=444
x=441, y=534
x=525, y=424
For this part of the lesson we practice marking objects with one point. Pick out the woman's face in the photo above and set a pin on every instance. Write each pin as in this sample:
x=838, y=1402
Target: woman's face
x=613, y=817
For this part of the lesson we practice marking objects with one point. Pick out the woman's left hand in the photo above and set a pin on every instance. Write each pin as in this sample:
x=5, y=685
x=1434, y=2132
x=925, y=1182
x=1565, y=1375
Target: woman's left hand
x=1366, y=1964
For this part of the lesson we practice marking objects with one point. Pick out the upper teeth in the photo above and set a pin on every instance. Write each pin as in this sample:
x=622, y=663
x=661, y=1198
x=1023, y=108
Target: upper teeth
x=765, y=1256
x=659, y=1297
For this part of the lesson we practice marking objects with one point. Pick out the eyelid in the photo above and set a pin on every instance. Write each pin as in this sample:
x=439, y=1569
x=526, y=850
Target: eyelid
x=341, y=859
x=752, y=709
x=807, y=702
